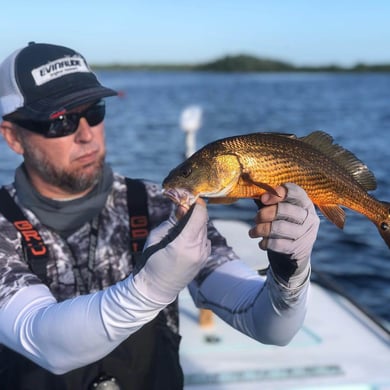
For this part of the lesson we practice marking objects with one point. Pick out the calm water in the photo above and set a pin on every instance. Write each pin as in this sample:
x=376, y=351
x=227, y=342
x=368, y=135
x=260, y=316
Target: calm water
x=144, y=140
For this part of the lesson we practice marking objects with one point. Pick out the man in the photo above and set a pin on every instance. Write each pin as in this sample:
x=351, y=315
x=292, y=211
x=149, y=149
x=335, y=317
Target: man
x=78, y=308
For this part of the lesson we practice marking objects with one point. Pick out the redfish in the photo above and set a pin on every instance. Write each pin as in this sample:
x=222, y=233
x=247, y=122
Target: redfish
x=246, y=166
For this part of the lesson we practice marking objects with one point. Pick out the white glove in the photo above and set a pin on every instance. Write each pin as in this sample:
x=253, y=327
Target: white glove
x=292, y=235
x=174, y=253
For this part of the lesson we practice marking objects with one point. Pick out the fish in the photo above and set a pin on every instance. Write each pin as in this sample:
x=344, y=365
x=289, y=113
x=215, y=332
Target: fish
x=246, y=166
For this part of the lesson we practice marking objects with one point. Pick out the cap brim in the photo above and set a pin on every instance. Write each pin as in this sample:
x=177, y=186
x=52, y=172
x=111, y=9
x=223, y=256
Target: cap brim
x=44, y=109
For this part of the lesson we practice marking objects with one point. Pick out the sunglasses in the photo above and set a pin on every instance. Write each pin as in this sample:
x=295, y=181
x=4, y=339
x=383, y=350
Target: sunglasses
x=65, y=124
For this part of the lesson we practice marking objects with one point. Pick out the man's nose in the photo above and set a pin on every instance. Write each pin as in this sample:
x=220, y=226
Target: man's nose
x=84, y=131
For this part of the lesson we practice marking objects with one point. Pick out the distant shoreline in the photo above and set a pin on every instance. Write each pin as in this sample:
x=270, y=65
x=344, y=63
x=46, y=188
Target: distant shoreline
x=245, y=63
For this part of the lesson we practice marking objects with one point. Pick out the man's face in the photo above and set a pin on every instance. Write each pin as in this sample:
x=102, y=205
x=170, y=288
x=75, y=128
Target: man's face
x=69, y=165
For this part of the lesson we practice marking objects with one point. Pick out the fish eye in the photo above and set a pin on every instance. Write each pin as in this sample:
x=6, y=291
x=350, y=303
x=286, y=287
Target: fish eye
x=185, y=171
x=384, y=226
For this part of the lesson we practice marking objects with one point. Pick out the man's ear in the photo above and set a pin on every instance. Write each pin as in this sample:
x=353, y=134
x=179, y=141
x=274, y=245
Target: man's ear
x=12, y=136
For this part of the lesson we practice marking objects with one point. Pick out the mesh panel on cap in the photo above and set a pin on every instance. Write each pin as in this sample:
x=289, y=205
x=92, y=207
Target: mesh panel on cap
x=10, y=95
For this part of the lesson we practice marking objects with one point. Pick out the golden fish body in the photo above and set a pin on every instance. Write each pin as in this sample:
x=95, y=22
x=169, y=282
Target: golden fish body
x=248, y=165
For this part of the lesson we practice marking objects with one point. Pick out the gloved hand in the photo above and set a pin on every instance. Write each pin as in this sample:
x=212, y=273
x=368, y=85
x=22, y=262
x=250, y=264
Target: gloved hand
x=174, y=253
x=289, y=226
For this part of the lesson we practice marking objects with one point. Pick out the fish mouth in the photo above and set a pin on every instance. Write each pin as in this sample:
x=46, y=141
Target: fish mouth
x=181, y=196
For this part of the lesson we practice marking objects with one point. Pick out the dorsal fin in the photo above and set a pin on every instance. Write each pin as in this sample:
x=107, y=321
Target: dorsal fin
x=287, y=135
x=344, y=158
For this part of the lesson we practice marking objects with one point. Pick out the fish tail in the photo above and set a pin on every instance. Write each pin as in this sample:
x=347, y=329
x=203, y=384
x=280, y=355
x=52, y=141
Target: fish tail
x=384, y=225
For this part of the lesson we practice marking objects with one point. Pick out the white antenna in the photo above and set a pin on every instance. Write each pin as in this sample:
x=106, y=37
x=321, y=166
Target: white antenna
x=190, y=122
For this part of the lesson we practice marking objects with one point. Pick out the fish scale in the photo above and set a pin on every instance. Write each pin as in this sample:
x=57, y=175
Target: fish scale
x=246, y=166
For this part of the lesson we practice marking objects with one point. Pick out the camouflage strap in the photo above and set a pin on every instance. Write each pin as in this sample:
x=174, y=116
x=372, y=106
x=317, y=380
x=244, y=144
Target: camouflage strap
x=137, y=203
x=34, y=249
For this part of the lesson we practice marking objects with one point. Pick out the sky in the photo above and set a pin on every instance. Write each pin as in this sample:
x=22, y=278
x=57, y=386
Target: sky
x=302, y=32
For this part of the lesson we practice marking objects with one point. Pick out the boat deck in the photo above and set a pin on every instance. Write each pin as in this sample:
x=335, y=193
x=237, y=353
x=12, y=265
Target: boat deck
x=339, y=346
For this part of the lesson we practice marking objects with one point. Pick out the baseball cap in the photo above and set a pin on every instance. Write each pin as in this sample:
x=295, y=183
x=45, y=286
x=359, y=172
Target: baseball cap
x=41, y=79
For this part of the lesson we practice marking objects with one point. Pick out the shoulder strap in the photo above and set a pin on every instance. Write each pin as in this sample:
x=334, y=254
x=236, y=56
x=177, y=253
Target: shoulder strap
x=35, y=250
x=137, y=203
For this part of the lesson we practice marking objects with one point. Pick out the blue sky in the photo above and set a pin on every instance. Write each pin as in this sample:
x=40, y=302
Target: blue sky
x=304, y=32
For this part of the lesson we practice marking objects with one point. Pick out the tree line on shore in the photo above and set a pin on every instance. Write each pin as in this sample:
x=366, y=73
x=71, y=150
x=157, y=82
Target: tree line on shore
x=245, y=63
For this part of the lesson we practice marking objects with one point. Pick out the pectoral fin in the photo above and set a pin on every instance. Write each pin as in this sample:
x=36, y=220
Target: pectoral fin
x=259, y=184
x=334, y=213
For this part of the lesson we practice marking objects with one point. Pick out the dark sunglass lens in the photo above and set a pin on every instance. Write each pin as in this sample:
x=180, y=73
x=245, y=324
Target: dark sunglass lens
x=95, y=114
x=63, y=126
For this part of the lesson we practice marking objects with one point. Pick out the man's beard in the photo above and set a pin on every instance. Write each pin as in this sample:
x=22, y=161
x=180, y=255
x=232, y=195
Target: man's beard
x=73, y=182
